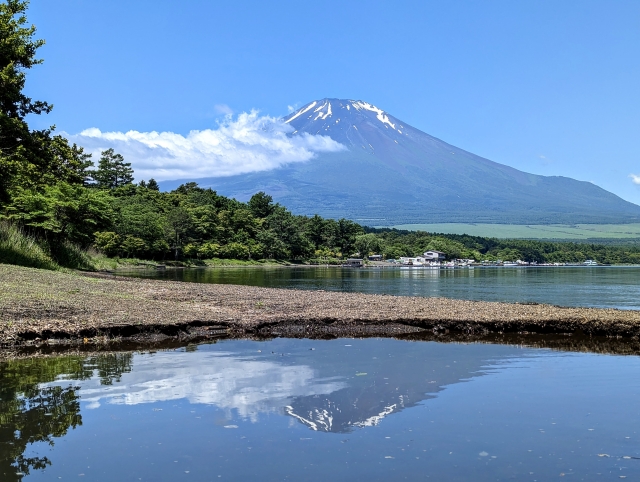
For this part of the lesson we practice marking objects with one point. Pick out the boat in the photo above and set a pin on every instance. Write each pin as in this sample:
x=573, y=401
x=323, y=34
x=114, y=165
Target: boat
x=590, y=262
x=509, y=263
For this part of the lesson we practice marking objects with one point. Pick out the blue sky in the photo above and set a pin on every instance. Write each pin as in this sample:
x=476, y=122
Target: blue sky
x=549, y=87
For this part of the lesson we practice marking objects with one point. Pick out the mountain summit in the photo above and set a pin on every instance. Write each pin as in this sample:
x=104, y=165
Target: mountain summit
x=392, y=173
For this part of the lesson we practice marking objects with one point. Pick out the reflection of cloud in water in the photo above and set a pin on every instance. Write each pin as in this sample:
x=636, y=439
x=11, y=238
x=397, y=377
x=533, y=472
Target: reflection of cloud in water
x=228, y=381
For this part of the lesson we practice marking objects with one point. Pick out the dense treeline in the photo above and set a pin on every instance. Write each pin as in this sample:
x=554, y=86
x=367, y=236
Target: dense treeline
x=405, y=243
x=55, y=203
x=197, y=223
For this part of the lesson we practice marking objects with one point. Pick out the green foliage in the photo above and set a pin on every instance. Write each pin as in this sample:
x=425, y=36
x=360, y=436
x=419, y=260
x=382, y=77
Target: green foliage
x=16, y=247
x=112, y=171
x=153, y=185
x=261, y=205
x=62, y=212
x=108, y=242
x=28, y=159
x=368, y=244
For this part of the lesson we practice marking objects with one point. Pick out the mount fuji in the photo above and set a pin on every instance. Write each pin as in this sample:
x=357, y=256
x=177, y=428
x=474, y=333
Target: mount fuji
x=392, y=173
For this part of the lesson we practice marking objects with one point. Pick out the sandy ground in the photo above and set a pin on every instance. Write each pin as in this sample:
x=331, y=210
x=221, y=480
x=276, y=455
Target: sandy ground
x=45, y=306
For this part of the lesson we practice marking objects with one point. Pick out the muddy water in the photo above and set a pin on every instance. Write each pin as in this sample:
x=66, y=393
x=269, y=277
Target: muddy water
x=601, y=287
x=345, y=409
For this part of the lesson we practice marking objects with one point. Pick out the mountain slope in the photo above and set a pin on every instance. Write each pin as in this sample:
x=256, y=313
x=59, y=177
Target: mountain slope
x=393, y=173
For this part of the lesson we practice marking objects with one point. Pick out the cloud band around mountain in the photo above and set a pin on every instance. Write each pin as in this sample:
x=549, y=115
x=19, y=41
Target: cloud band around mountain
x=247, y=143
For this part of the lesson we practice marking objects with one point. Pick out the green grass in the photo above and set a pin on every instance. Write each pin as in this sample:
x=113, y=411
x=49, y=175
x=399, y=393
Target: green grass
x=242, y=262
x=19, y=248
x=532, y=231
x=16, y=247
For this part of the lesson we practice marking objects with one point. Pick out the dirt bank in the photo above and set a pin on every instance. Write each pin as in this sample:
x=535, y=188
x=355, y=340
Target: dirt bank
x=38, y=306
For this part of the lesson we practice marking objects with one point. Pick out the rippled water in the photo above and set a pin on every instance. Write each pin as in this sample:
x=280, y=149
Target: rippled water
x=346, y=409
x=606, y=287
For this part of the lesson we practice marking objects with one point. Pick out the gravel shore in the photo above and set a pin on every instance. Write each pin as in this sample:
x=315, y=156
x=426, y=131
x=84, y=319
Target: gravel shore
x=39, y=306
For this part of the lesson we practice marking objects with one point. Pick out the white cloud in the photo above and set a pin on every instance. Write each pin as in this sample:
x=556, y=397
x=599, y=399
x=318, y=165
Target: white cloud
x=223, y=109
x=248, y=385
x=248, y=143
x=635, y=178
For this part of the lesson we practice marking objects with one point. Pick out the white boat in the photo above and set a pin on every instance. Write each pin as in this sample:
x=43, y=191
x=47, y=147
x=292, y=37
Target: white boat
x=590, y=262
x=509, y=263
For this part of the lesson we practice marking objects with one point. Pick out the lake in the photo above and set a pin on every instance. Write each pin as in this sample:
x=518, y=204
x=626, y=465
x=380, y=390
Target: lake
x=344, y=409
x=602, y=287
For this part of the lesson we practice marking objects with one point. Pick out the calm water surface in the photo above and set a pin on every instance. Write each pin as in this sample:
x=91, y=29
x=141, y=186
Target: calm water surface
x=606, y=287
x=372, y=409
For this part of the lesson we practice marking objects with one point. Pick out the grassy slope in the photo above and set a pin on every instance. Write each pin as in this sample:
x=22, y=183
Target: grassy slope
x=18, y=248
x=533, y=231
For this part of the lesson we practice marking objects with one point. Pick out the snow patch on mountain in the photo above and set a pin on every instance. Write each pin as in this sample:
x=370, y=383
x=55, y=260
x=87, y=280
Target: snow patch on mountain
x=300, y=112
x=381, y=116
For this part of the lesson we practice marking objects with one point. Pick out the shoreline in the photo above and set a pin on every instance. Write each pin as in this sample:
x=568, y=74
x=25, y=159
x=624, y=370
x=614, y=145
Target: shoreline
x=55, y=308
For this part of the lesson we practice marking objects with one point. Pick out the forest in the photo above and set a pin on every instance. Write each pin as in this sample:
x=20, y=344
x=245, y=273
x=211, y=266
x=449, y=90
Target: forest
x=58, y=208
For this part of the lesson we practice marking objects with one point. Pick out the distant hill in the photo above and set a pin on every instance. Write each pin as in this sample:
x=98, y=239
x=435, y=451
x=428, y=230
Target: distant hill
x=393, y=173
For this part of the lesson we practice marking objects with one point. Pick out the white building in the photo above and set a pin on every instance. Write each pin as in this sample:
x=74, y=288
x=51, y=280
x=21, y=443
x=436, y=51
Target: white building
x=434, y=255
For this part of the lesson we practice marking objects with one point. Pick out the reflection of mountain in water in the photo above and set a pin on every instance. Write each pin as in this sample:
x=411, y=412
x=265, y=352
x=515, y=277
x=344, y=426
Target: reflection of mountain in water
x=399, y=380
x=336, y=387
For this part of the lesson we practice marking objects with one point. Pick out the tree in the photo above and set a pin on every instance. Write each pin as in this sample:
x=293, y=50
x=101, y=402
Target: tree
x=261, y=205
x=315, y=231
x=346, y=235
x=112, y=171
x=367, y=244
x=63, y=212
x=179, y=224
x=153, y=185
x=28, y=159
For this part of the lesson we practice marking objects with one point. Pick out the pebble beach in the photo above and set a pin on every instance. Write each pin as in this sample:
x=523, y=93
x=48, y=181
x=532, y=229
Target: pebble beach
x=39, y=306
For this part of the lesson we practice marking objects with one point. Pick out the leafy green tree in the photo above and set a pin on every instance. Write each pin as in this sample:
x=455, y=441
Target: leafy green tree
x=63, y=212
x=315, y=230
x=108, y=242
x=346, y=235
x=112, y=171
x=178, y=224
x=273, y=246
x=209, y=250
x=29, y=159
x=235, y=251
x=17, y=55
x=143, y=218
x=287, y=230
x=396, y=251
x=367, y=244
x=133, y=246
